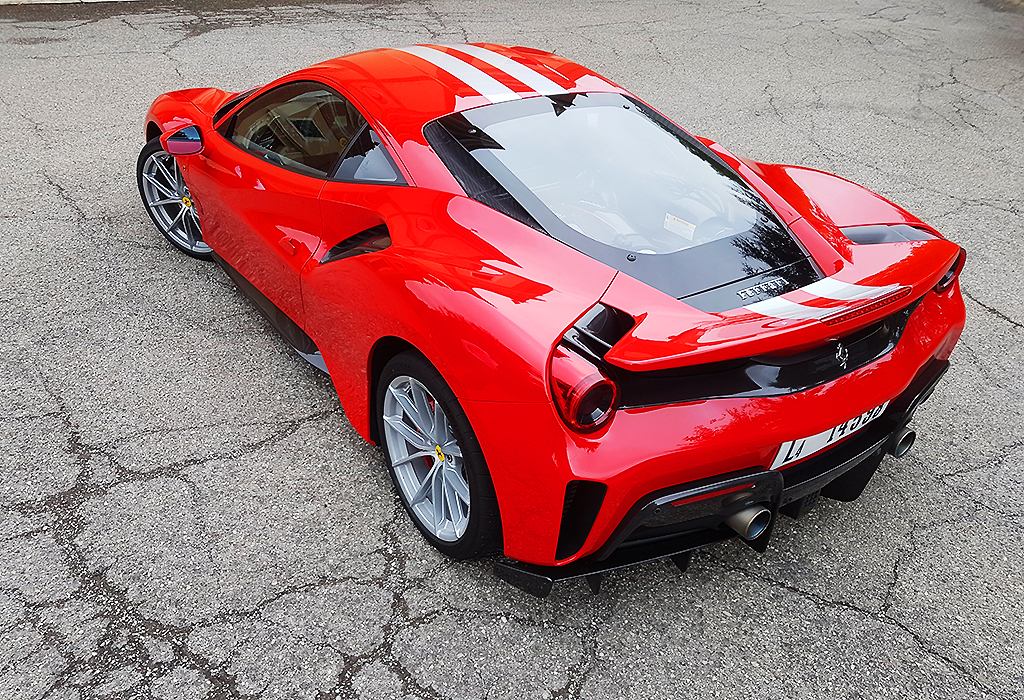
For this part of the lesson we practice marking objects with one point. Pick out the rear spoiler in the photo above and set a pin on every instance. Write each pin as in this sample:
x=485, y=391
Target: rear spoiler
x=882, y=279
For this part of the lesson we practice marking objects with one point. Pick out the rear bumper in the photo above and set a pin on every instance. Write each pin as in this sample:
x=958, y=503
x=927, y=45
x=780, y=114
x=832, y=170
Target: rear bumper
x=675, y=521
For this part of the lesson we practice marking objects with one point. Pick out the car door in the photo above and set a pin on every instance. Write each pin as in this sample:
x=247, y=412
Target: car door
x=261, y=184
x=366, y=192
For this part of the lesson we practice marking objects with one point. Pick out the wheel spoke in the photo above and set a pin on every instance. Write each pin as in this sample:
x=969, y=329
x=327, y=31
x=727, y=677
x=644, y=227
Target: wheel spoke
x=156, y=183
x=458, y=484
x=413, y=437
x=181, y=214
x=459, y=516
x=437, y=500
x=452, y=448
x=409, y=458
x=421, y=491
x=442, y=430
x=171, y=180
x=450, y=504
x=423, y=418
x=407, y=405
x=169, y=200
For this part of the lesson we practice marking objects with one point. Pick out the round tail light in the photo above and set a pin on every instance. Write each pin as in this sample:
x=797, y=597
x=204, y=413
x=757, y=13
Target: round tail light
x=585, y=398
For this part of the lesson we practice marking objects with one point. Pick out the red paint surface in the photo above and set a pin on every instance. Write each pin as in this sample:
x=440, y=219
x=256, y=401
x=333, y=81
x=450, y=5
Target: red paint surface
x=485, y=298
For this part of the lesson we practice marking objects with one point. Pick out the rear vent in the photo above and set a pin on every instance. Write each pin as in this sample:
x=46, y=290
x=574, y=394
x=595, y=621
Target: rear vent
x=892, y=233
x=599, y=329
x=583, y=501
x=368, y=241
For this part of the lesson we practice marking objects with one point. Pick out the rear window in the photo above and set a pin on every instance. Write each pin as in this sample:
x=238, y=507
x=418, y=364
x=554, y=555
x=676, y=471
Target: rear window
x=608, y=176
x=609, y=171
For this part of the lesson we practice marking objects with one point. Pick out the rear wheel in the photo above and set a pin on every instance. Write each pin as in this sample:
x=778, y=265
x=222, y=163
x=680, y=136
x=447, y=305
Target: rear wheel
x=168, y=201
x=435, y=460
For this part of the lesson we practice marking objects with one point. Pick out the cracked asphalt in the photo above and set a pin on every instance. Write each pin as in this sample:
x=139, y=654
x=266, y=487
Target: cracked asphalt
x=185, y=512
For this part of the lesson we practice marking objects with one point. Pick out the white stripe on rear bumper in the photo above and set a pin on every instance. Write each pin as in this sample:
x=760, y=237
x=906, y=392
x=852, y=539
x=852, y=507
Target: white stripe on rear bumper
x=524, y=74
x=473, y=77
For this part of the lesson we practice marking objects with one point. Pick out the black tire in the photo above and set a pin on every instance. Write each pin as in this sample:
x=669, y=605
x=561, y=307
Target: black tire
x=189, y=239
x=482, y=535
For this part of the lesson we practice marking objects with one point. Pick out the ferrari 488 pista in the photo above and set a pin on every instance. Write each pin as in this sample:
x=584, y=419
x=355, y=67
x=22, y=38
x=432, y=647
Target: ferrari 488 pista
x=583, y=337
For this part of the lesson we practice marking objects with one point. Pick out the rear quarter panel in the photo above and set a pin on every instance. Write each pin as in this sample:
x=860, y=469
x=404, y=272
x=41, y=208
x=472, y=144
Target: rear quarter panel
x=483, y=297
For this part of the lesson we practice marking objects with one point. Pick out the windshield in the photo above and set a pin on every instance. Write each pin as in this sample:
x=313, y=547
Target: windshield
x=607, y=176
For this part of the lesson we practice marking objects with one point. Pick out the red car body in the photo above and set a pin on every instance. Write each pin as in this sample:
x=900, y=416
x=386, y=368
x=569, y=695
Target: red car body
x=486, y=299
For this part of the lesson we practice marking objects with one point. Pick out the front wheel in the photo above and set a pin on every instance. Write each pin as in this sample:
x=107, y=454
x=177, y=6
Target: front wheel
x=435, y=460
x=168, y=201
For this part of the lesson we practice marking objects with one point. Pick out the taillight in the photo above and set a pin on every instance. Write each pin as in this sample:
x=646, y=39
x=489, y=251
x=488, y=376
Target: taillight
x=584, y=396
x=950, y=277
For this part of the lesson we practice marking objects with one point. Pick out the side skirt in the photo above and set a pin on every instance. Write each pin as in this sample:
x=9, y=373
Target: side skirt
x=288, y=328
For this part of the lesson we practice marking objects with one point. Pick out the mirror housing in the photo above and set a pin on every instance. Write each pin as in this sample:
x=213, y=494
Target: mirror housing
x=183, y=142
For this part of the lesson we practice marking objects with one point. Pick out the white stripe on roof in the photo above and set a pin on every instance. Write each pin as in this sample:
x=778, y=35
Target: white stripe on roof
x=473, y=77
x=524, y=74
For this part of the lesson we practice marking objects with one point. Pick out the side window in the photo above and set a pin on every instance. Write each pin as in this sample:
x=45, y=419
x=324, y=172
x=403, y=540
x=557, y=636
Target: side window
x=302, y=126
x=368, y=161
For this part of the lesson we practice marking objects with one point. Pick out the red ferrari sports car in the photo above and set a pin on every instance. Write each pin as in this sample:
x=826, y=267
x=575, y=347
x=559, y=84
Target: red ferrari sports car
x=582, y=336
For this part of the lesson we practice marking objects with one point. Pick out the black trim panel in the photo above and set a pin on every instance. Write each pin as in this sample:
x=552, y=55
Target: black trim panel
x=582, y=503
x=746, y=377
x=288, y=328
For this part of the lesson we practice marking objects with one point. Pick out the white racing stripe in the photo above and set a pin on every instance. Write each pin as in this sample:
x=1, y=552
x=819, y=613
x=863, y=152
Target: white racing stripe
x=473, y=77
x=831, y=288
x=828, y=288
x=782, y=308
x=524, y=74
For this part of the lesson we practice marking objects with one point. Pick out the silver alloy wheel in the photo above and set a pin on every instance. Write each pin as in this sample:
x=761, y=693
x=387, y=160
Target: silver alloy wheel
x=168, y=198
x=426, y=458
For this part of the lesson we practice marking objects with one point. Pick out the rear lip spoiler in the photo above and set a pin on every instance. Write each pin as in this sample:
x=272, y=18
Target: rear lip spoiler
x=818, y=472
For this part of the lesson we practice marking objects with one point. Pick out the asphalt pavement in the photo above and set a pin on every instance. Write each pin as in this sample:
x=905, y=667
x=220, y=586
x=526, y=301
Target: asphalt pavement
x=185, y=512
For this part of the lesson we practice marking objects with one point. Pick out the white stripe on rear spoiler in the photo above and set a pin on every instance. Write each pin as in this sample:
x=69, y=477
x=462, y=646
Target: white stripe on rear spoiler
x=473, y=77
x=782, y=308
x=831, y=288
x=524, y=74
x=828, y=288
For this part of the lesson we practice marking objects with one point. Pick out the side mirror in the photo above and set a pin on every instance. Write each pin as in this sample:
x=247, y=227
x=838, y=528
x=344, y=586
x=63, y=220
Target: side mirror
x=184, y=142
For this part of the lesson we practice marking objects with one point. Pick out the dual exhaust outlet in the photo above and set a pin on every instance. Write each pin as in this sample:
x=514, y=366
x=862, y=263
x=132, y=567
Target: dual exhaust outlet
x=752, y=521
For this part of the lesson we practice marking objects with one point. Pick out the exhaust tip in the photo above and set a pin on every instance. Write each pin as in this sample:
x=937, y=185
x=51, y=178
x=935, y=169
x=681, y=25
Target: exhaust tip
x=904, y=441
x=750, y=522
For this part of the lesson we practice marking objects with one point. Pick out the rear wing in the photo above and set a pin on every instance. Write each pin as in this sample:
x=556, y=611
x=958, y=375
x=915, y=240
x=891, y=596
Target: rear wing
x=882, y=279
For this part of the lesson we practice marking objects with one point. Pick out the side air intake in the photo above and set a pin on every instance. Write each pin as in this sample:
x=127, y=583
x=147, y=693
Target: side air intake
x=583, y=501
x=368, y=241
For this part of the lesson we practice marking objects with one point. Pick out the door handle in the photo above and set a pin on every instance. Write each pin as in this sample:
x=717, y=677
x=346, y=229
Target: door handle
x=288, y=245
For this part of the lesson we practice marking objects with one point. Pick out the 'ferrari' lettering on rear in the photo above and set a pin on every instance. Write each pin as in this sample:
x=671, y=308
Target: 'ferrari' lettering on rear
x=770, y=285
